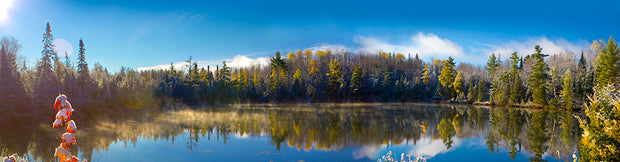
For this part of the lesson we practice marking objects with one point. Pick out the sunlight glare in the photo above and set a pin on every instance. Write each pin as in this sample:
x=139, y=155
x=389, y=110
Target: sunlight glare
x=4, y=7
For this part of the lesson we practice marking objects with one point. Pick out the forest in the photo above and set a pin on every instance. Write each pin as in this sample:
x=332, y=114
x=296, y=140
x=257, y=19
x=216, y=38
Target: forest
x=570, y=80
x=563, y=80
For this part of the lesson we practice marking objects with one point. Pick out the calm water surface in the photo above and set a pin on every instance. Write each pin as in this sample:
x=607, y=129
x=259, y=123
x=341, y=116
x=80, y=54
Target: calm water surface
x=328, y=133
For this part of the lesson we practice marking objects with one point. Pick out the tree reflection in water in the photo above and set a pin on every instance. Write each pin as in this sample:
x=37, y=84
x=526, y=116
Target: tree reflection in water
x=327, y=128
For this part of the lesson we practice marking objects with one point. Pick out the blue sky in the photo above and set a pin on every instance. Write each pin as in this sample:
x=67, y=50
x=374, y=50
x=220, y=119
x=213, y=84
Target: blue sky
x=139, y=33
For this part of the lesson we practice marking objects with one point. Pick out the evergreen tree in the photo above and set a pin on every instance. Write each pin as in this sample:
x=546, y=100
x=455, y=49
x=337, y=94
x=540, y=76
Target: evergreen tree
x=356, y=82
x=492, y=64
x=224, y=73
x=278, y=63
x=606, y=66
x=567, y=91
x=539, y=78
x=514, y=59
x=283, y=85
x=515, y=90
x=84, y=81
x=334, y=78
x=472, y=93
x=273, y=84
x=172, y=71
x=13, y=98
x=388, y=81
x=582, y=65
x=446, y=78
x=515, y=87
x=46, y=85
x=601, y=132
x=582, y=85
x=8, y=105
x=298, y=86
x=495, y=93
x=482, y=90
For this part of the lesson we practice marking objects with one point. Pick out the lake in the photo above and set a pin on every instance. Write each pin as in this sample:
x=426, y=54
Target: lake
x=319, y=132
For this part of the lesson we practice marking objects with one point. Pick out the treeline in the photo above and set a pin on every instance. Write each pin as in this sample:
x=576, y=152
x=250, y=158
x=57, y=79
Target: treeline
x=538, y=79
x=26, y=94
x=535, y=80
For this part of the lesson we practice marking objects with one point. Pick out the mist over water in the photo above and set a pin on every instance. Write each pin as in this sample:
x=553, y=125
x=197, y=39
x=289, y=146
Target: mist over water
x=321, y=132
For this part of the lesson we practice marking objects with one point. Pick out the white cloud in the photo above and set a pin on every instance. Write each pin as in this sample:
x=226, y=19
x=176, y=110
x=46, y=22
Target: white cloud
x=333, y=47
x=244, y=61
x=549, y=46
x=425, y=45
x=239, y=135
x=238, y=61
x=177, y=65
x=369, y=152
x=429, y=148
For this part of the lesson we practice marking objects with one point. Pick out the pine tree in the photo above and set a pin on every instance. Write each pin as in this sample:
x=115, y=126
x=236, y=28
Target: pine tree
x=356, y=82
x=567, y=91
x=539, y=78
x=515, y=88
x=606, y=66
x=492, y=64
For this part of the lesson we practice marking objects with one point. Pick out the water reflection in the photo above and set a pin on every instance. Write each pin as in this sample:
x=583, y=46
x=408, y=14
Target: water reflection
x=427, y=130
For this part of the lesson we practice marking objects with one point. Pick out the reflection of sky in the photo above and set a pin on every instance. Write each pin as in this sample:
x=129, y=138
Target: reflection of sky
x=259, y=148
x=428, y=148
x=466, y=149
x=237, y=148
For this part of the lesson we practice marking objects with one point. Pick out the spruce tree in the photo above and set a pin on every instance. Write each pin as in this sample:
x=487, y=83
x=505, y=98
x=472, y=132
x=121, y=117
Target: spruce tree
x=515, y=88
x=13, y=97
x=472, y=93
x=46, y=85
x=539, y=78
x=224, y=73
x=482, y=90
x=83, y=75
x=567, y=91
x=356, y=82
x=606, y=66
